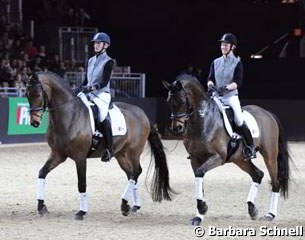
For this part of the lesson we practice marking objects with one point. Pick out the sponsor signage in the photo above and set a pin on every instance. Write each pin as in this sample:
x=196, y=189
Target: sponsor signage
x=19, y=118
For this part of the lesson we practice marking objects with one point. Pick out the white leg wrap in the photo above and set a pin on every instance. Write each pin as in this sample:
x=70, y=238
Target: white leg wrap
x=253, y=192
x=40, y=188
x=274, y=200
x=135, y=195
x=83, y=200
x=128, y=191
x=198, y=188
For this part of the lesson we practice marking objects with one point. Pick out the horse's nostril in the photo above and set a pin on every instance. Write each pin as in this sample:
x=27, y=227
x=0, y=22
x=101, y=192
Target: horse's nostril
x=178, y=129
x=35, y=124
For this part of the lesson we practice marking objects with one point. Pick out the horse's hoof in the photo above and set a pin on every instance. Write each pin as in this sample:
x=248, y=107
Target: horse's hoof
x=135, y=208
x=79, y=215
x=254, y=214
x=253, y=211
x=196, y=221
x=125, y=209
x=43, y=211
x=269, y=217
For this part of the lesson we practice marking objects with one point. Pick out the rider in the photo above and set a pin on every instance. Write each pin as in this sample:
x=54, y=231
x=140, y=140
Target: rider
x=225, y=77
x=97, y=84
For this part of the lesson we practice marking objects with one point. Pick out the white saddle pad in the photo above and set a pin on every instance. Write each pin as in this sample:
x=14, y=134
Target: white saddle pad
x=248, y=117
x=118, y=123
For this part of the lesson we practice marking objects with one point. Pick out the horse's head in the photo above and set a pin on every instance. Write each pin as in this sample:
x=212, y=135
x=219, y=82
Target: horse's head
x=179, y=104
x=37, y=99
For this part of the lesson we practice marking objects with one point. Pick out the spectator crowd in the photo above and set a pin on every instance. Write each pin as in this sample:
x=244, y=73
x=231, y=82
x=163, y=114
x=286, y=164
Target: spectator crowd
x=20, y=55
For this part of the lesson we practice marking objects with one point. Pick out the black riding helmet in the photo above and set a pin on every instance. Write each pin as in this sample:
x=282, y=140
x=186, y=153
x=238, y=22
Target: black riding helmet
x=229, y=38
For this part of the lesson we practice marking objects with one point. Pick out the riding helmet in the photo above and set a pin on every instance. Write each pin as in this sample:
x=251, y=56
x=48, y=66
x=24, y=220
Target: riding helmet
x=101, y=37
x=229, y=38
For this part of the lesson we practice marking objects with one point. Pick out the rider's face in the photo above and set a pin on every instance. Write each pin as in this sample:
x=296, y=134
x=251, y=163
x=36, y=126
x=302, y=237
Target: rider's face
x=98, y=46
x=225, y=48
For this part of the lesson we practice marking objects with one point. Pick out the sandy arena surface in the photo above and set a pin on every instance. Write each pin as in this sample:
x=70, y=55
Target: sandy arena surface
x=226, y=192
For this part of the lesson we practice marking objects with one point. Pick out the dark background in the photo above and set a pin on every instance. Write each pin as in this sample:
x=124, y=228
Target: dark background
x=161, y=38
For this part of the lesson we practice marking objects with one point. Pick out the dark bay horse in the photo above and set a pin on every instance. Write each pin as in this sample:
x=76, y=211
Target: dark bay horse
x=199, y=119
x=69, y=134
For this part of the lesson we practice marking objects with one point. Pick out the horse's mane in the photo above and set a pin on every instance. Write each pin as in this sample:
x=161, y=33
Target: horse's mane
x=188, y=80
x=56, y=78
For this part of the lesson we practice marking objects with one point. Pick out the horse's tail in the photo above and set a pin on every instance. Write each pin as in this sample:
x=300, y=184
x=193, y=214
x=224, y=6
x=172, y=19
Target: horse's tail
x=160, y=188
x=283, y=160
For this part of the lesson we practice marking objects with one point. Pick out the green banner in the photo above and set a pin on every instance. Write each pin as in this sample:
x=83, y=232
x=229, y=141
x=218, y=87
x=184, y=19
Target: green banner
x=19, y=118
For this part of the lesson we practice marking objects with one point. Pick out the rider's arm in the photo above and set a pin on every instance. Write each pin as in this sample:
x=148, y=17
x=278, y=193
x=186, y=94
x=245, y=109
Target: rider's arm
x=211, y=77
x=238, y=77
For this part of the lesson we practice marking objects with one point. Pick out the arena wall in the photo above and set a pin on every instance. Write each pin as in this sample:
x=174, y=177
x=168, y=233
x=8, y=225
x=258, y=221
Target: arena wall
x=290, y=113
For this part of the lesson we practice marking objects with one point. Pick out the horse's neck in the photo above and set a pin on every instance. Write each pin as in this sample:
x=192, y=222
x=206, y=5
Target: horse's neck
x=62, y=107
x=205, y=121
x=195, y=124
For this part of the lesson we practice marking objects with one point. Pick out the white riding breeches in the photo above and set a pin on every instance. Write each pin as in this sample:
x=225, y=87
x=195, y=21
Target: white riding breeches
x=102, y=100
x=234, y=103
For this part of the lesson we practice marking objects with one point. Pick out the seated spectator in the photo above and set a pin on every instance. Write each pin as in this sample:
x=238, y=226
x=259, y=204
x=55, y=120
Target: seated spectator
x=17, y=50
x=30, y=49
x=23, y=76
x=62, y=69
x=54, y=63
x=72, y=66
x=43, y=57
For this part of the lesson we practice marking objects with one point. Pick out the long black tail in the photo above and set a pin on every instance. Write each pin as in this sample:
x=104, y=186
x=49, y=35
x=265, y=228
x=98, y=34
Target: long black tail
x=283, y=160
x=160, y=187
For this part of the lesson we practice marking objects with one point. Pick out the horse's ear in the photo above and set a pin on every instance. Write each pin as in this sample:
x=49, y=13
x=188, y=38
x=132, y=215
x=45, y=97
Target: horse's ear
x=166, y=84
x=179, y=85
x=34, y=78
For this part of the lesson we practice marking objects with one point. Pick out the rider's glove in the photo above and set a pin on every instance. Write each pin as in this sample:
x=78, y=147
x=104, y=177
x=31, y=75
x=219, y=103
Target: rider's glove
x=86, y=89
x=211, y=89
x=222, y=90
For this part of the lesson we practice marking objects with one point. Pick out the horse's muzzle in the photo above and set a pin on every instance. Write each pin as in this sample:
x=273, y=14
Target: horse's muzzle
x=35, y=124
x=35, y=120
x=177, y=127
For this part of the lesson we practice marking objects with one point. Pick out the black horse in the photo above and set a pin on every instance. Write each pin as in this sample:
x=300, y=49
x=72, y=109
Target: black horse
x=69, y=135
x=199, y=119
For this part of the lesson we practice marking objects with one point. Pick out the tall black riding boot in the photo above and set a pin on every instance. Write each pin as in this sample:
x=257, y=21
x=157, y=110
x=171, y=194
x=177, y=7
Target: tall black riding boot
x=249, y=151
x=107, y=134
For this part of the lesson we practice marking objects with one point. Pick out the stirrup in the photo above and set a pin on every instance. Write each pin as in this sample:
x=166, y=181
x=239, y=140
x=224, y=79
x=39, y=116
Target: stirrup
x=107, y=155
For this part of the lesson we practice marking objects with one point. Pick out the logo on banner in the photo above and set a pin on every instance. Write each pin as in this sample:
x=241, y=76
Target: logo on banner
x=22, y=114
x=19, y=118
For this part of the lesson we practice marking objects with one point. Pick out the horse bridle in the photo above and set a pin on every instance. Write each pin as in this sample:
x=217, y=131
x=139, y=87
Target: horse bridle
x=43, y=107
x=45, y=102
x=187, y=113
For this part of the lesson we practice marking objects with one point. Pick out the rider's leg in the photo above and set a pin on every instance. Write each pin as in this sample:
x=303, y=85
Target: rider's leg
x=234, y=102
x=249, y=140
x=102, y=100
x=107, y=134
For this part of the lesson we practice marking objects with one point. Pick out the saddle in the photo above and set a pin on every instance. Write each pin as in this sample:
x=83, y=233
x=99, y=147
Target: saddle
x=229, y=123
x=116, y=118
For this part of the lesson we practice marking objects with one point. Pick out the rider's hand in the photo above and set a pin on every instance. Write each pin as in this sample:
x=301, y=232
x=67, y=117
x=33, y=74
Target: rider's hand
x=222, y=90
x=86, y=89
x=211, y=88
